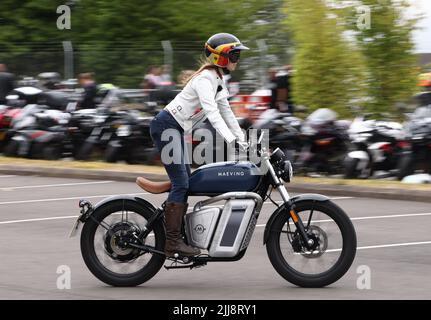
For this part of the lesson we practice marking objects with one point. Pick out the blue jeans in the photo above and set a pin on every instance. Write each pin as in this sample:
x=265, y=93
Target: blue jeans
x=178, y=171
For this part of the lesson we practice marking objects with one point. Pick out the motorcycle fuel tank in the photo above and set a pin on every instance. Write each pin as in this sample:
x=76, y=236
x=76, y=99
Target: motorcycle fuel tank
x=221, y=177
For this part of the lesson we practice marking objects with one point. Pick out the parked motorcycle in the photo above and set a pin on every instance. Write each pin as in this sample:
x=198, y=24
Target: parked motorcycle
x=377, y=145
x=38, y=124
x=417, y=155
x=132, y=142
x=104, y=127
x=310, y=241
x=35, y=131
x=284, y=131
x=325, y=143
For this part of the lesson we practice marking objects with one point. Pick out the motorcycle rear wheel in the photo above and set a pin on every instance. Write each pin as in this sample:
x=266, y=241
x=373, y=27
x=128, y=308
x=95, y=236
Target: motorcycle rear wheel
x=98, y=254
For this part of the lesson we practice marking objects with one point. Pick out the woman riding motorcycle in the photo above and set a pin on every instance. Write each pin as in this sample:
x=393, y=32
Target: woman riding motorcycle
x=204, y=96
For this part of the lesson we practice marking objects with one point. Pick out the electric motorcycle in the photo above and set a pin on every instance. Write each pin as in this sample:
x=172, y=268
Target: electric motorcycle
x=310, y=241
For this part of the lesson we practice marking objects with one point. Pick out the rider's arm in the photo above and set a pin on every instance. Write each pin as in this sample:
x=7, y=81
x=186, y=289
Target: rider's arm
x=230, y=119
x=205, y=91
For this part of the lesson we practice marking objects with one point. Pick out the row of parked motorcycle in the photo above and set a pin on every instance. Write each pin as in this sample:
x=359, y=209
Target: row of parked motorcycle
x=361, y=148
x=45, y=125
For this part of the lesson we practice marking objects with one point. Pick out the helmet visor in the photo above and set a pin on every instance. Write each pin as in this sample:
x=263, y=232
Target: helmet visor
x=234, y=56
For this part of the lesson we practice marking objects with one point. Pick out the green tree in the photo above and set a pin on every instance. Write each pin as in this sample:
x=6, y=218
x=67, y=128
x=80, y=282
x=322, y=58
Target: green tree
x=29, y=37
x=328, y=68
x=118, y=40
x=387, y=48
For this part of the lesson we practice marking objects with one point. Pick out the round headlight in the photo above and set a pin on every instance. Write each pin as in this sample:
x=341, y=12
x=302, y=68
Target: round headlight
x=287, y=171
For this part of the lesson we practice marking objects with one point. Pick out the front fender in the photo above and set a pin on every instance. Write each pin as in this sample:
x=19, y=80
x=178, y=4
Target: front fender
x=286, y=208
x=120, y=198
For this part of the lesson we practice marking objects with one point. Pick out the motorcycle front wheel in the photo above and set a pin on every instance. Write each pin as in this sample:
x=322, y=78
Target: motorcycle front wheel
x=104, y=244
x=333, y=251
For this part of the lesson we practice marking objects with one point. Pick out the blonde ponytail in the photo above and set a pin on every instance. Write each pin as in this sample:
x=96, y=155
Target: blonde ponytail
x=205, y=65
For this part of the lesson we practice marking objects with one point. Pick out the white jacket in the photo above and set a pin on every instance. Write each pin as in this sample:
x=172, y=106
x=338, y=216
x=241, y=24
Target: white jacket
x=205, y=96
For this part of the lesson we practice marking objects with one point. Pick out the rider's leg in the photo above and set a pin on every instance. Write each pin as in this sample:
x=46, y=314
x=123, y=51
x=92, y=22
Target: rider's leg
x=178, y=171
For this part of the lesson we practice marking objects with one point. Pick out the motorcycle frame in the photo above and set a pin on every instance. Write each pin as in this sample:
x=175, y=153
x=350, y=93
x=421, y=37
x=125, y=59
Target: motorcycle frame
x=267, y=180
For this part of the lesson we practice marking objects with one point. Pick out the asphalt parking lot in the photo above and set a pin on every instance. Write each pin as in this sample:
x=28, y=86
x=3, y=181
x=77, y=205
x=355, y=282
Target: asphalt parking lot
x=37, y=213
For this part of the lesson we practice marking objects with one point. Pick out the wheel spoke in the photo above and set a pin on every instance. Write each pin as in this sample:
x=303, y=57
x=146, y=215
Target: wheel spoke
x=313, y=261
x=111, y=253
x=309, y=218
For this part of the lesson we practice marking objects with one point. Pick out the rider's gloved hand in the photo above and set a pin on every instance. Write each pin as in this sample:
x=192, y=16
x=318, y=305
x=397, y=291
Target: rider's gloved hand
x=243, y=145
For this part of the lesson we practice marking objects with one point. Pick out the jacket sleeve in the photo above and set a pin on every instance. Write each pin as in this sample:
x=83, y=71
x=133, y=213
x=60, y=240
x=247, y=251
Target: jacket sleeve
x=206, y=93
x=230, y=119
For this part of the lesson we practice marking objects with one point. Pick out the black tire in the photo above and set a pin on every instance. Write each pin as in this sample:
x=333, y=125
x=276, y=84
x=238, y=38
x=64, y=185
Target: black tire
x=98, y=269
x=405, y=166
x=11, y=149
x=86, y=151
x=51, y=152
x=111, y=154
x=338, y=269
x=350, y=165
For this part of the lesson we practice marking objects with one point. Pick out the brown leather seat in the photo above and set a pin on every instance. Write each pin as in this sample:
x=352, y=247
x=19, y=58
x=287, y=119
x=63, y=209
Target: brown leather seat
x=152, y=186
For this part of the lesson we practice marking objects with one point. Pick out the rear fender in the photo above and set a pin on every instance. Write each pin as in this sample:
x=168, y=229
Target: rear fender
x=87, y=212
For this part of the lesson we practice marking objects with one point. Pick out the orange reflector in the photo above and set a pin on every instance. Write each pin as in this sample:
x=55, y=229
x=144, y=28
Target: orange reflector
x=323, y=142
x=293, y=215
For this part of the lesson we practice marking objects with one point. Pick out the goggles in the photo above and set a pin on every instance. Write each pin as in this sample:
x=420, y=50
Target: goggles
x=234, y=56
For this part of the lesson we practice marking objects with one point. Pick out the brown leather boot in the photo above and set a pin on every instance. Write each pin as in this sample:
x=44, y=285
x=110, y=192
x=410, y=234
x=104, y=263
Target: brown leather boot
x=174, y=212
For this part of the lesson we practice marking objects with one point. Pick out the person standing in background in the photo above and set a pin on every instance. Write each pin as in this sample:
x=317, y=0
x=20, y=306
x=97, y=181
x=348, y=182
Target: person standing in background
x=284, y=89
x=152, y=79
x=279, y=84
x=90, y=91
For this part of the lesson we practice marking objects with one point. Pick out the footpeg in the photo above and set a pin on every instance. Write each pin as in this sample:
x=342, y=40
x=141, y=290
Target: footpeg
x=184, y=262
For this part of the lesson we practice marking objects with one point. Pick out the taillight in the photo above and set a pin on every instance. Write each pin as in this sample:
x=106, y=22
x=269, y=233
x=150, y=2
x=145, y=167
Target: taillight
x=323, y=142
x=385, y=147
x=37, y=134
x=403, y=144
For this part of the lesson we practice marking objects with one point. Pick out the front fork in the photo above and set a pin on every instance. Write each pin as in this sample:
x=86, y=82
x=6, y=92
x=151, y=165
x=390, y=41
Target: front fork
x=286, y=198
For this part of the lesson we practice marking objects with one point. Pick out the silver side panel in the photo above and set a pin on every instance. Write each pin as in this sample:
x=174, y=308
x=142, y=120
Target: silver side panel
x=200, y=226
x=232, y=227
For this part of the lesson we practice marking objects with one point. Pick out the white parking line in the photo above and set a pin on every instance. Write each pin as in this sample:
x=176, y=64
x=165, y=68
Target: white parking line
x=38, y=219
x=269, y=202
x=8, y=176
x=392, y=245
x=53, y=185
x=333, y=198
x=386, y=246
x=258, y=225
x=375, y=217
x=110, y=195
x=72, y=198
